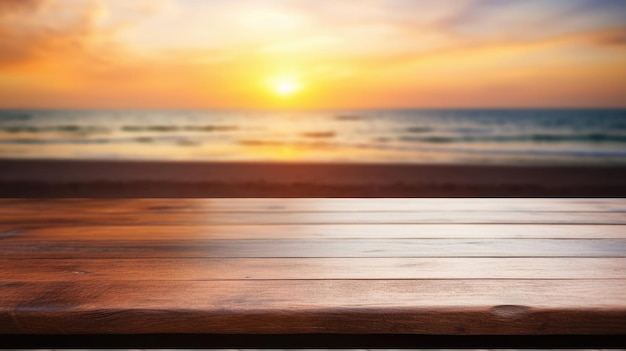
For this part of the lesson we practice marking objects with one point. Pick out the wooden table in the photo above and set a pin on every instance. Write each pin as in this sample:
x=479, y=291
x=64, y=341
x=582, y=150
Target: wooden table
x=313, y=268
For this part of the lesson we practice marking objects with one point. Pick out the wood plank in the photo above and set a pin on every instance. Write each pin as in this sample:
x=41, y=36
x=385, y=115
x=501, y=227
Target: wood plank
x=320, y=266
x=17, y=206
x=320, y=231
x=26, y=270
x=454, y=307
x=433, y=217
x=316, y=248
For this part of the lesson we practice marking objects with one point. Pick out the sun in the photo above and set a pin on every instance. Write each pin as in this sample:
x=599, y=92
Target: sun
x=286, y=86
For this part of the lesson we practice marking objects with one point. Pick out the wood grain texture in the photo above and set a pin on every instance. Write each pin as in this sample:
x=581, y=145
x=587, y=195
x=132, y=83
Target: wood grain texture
x=424, y=266
x=132, y=269
x=310, y=211
x=317, y=248
x=17, y=206
x=396, y=217
x=328, y=306
x=320, y=231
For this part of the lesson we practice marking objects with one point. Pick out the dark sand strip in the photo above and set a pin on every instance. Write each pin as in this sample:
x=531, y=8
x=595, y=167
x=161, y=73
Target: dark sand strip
x=57, y=178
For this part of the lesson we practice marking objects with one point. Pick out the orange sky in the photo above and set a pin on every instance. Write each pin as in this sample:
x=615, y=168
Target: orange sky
x=339, y=54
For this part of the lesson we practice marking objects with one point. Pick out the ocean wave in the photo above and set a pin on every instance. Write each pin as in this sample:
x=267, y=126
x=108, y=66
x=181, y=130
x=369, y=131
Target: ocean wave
x=82, y=129
x=177, y=140
x=253, y=142
x=419, y=129
x=155, y=128
x=319, y=135
x=300, y=143
x=533, y=138
x=69, y=128
x=212, y=128
x=14, y=116
x=175, y=128
x=582, y=153
x=584, y=135
x=37, y=141
x=349, y=117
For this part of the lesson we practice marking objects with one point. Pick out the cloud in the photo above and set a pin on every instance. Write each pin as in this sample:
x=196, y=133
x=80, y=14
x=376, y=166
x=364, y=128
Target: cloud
x=12, y=6
x=30, y=30
x=615, y=37
x=360, y=30
x=216, y=50
x=535, y=19
x=58, y=31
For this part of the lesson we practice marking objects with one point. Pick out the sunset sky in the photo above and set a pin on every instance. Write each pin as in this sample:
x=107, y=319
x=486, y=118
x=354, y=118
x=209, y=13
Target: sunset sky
x=312, y=54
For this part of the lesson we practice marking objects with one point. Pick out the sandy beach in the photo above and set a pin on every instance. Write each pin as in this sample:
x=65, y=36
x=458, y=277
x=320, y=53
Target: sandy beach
x=72, y=178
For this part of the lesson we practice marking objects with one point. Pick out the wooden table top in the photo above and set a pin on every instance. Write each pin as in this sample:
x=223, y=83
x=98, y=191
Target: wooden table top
x=309, y=266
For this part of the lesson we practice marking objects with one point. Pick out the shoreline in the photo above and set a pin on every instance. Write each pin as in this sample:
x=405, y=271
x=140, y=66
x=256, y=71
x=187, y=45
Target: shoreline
x=91, y=178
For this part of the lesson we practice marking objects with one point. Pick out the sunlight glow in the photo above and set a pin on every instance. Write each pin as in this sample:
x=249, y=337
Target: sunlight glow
x=281, y=54
x=286, y=86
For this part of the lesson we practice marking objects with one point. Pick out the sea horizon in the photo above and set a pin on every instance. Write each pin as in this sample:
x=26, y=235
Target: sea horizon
x=571, y=136
x=316, y=109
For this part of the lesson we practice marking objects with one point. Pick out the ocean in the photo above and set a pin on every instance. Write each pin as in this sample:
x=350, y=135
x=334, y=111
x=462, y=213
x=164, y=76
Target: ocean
x=418, y=136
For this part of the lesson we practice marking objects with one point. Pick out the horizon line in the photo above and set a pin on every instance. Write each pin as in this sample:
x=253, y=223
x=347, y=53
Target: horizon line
x=249, y=109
